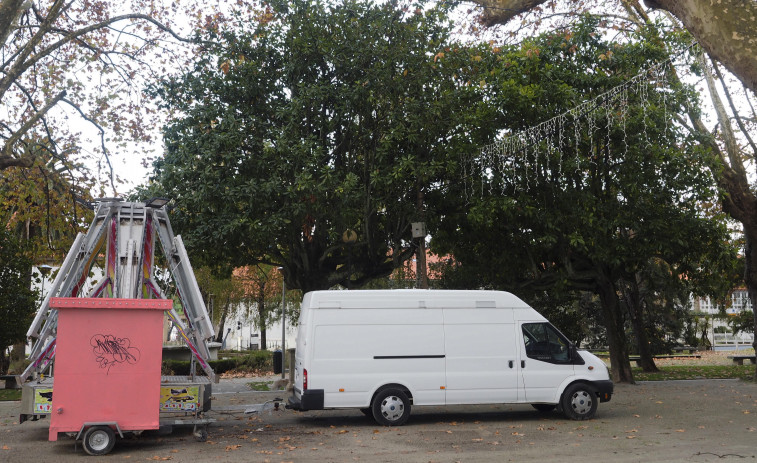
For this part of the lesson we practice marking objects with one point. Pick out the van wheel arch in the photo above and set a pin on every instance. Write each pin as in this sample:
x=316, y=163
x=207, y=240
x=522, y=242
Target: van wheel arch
x=579, y=401
x=391, y=405
x=392, y=386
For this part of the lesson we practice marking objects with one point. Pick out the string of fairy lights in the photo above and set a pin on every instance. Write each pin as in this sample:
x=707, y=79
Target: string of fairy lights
x=544, y=150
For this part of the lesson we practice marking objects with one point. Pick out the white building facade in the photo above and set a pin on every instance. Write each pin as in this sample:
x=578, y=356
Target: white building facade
x=720, y=332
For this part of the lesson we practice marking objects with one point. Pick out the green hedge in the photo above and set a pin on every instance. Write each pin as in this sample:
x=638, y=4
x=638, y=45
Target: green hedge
x=256, y=361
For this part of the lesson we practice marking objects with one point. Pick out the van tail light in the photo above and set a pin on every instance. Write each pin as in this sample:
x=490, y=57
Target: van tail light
x=304, y=380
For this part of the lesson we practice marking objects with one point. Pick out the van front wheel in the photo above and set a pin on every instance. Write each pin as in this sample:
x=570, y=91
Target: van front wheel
x=391, y=407
x=579, y=402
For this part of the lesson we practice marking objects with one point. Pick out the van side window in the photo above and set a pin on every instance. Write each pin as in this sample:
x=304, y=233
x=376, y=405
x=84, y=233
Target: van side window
x=545, y=343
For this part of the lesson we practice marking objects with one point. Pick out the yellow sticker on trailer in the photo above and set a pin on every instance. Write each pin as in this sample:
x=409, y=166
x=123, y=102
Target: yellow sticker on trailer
x=179, y=398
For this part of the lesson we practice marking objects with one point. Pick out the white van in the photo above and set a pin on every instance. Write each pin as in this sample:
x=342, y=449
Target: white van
x=386, y=351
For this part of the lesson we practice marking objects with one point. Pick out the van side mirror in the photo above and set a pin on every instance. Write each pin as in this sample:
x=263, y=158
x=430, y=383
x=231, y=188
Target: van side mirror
x=575, y=357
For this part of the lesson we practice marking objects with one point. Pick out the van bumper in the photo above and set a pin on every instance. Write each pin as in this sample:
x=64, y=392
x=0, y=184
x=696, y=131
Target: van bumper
x=312, y=399
x=604, y=390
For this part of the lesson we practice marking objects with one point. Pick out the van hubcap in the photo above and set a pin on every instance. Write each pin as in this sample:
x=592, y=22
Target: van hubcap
x=581, y=402
x=392, y=408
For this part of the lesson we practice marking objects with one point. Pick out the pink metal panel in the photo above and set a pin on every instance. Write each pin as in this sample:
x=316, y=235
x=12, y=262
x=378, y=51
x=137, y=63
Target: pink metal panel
x=107, y=365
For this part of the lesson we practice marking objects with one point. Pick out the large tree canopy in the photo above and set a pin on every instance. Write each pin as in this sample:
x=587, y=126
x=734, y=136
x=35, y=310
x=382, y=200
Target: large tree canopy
x=727, y=29
x=310, y=141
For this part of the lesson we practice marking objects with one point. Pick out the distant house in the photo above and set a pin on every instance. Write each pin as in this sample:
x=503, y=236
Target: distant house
x=719, y=332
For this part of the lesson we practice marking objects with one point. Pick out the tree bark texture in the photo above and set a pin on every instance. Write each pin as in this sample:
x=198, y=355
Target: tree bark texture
x=636, y=312
x=620, y=366
x=727, y=29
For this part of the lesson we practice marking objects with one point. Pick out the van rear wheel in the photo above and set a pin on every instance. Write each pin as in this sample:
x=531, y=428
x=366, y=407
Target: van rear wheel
x=391, y=407
x=579, y=402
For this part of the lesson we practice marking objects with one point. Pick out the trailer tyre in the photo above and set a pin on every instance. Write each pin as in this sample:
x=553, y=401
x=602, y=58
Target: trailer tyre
x=391, y=407
x=579, y=402
x=99, y=440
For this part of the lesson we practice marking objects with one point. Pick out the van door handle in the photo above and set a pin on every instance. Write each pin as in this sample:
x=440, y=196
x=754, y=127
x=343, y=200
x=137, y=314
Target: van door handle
x=523, y=364
x=510, y=363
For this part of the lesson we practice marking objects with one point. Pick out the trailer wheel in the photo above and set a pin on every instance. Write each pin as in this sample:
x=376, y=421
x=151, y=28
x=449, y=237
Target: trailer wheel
x=201, y=435
x=99, y=440
x=391, y=407
x=579, y=402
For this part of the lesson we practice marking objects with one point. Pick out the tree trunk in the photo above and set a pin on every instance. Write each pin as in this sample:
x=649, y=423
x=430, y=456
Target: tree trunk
x=262, y=315
x=750, y=277
x=636, y=312
x=222, y=323
x=620, y=366
x=727, y=29
x=3, y=361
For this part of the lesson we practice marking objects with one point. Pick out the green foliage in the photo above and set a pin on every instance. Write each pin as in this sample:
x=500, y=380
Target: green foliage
x=256, y=361
x=17, y=300
x=324, y=117
x=742, y=322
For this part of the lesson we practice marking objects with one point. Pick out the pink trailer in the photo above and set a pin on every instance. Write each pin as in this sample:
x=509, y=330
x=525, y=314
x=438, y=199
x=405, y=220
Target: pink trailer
x=108, y=368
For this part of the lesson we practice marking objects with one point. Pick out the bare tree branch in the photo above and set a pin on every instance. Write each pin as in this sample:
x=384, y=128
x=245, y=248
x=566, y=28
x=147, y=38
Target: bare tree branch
x=22, y=64
x=102, y=139
x=6, y=155
x=736, y=116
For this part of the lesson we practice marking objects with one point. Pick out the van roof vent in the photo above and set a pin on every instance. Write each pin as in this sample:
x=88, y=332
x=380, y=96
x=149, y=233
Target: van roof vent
x=486, y=304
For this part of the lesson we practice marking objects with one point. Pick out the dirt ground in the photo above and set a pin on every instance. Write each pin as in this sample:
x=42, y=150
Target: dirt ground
x=676, y=421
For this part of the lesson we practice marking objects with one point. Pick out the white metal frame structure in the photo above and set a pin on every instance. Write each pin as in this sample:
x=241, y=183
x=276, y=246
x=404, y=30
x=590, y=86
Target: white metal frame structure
x=125, y=232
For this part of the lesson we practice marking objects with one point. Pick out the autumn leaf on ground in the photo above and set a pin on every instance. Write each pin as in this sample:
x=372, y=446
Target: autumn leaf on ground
x=5, y=447
x=680, y=430
x=233, y=447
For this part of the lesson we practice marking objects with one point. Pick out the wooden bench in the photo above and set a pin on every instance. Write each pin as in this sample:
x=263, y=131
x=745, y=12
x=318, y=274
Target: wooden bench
x=11, y=381
x=687, y=349
x=739, y=359
x=637, y=359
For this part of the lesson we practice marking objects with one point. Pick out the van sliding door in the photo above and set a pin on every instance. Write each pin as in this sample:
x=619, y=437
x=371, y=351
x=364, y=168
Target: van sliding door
x=481, y=358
